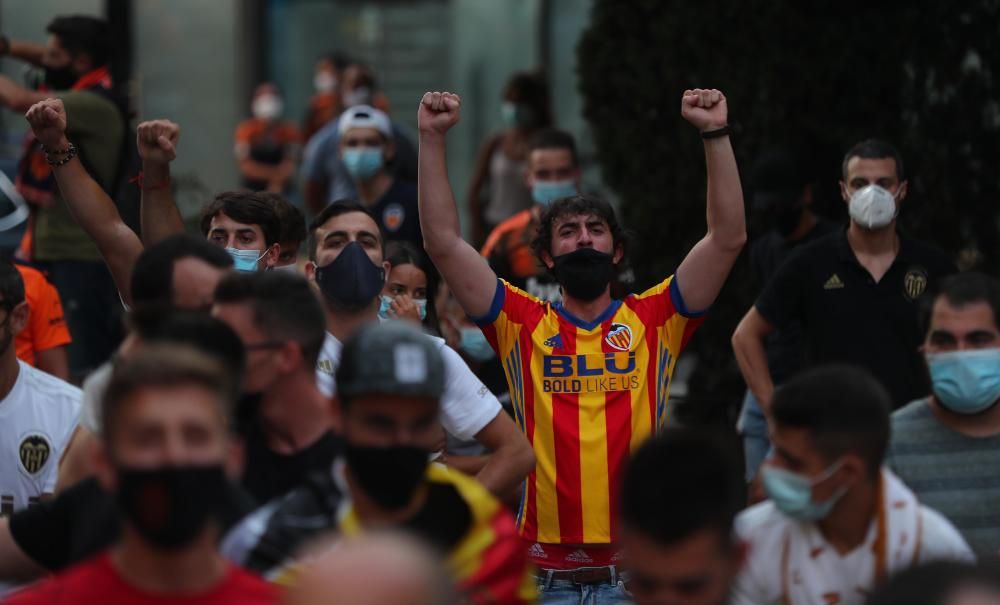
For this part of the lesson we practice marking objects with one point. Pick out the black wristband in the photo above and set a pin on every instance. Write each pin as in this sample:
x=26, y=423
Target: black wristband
x=715, y=134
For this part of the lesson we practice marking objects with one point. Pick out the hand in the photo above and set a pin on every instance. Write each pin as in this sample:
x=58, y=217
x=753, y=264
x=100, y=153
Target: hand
x=157, y=141
x=704, y=108
x=48, y=121
x=403, y=307
x=438, y=112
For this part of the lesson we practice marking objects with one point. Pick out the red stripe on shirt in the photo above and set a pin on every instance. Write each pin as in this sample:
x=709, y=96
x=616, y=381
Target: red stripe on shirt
x=618, y=421
x=566, y=429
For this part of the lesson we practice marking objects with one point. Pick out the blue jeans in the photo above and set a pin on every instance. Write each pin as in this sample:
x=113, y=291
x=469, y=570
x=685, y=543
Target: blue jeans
x=566, y=592
x=752, y=426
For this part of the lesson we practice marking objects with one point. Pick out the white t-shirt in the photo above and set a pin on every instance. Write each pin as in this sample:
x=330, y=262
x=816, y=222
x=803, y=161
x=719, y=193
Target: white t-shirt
x=764, y=529
x=467, y=406
x=37, y=419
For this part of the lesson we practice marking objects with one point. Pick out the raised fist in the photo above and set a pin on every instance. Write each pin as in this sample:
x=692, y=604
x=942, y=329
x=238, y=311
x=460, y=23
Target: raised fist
x=157, y=141
x=48, y=121
x=438, y=112
x=705, y=108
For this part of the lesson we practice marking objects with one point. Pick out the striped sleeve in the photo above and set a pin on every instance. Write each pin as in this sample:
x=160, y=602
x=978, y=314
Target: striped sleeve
x=511, y=310
x=662, y=307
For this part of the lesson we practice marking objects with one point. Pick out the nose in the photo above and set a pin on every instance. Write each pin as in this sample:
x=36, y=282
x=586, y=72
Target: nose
x=173, y=449
x=584, y=241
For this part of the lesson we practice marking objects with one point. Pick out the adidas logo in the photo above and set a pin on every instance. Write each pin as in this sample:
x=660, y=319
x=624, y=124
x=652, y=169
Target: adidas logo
x=833, y=283
x=578, y=556
x=537, y=552
x=554, y=341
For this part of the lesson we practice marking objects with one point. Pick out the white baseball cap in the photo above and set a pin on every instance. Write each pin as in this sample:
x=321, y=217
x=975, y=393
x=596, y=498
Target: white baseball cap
x=365, y=116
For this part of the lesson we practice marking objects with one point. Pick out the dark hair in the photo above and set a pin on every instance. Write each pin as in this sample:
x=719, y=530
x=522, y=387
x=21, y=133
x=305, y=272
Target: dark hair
x=532, y=90
x=574, y=206
x=679, y=483
x=935, y=584
x=842, y=407
x=874, y=149
x=779, y=173
x=162, y=324
x=333, y=210
x=399, y=253
x=165, y=366
x=11, y=285
x=552, y=138
x=83, y=34
x=366, y=77
x=153, y=275
x=338, y=58
x=284, y=307
x=293, y=223
x=960, y=290
x=247, y=207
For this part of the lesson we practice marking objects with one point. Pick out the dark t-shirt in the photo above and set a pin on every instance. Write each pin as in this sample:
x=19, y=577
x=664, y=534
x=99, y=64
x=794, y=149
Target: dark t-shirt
x=268, y=474
x=396, y=213
x=784, y=347
x=847, y=317
x=84, y=520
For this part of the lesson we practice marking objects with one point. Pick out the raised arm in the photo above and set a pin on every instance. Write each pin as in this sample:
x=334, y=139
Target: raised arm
x=466, y=272
x=18, y=98
x=158, y=213
x=704, y=270
x=90, y=206
x=29, y=52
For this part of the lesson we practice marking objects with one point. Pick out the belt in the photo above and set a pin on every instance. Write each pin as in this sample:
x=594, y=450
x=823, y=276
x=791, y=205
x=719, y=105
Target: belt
x=584, y=575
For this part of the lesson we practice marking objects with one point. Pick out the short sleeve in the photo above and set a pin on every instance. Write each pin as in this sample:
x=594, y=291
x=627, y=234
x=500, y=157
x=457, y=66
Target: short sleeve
x=781, y=300
x=941, y=541
x=663, y=307
x=512, y=310
x=46, y=321
x=467, y=405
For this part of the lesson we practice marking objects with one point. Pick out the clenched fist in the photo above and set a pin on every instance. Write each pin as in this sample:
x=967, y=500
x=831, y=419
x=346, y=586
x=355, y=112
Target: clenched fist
x=48, y=121
x=438, y=112
x=157, y=141
x=705, y=108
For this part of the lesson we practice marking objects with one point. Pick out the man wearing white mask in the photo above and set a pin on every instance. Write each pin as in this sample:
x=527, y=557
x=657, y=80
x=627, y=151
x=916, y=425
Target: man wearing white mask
x=838, y=523
x=946, y=447
x=267, y=147
x=855, y=292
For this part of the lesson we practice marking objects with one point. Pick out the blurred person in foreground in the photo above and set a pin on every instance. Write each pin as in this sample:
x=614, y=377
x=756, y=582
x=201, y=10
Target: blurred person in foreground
x=166, y=452
x=390, y=382
x=838, y=522
x=946, y=446
x=941, y=583
x=266, y=147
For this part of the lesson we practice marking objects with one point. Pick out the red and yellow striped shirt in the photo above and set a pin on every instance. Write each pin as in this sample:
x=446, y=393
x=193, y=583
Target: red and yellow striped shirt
x=585, y=394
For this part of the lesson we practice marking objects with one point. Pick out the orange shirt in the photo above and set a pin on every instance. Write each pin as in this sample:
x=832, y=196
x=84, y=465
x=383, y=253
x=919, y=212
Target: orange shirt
x=508, y=248
x=46, y=327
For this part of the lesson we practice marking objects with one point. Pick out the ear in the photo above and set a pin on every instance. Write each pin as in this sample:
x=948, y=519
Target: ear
x=19, y=317
x=547, y=259
x=235, y=458
x=902, y=190
x=853, y=469
x=104, y=470
x=271, y=256
x=619, y=253
x=844, y=194
x=310, y=271
x=289, y=357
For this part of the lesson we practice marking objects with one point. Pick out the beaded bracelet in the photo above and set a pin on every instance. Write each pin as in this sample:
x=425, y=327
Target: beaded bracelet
x=68, y=155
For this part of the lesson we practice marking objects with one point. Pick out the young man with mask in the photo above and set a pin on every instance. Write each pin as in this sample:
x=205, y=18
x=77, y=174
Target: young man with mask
x=325, y=176
x=782, y=199
x=325, y=104
x=267, y=147
x=838, y=523
x=589, y=376
x=390, y=383
x=166, y=454
x=946, y=447
x=367, y=150
x=679, y=497
x=553, y=173
x=247, y=225
x=285, y=420
x=864, y=281
x=350, y=271
x=75, y=61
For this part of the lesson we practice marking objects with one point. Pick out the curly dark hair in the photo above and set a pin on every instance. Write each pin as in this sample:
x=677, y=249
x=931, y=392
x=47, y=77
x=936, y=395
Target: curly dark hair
x=575, y=206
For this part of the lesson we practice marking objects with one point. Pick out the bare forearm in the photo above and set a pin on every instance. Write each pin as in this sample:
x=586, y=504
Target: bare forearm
x=438, y=214
x=53, y=361
x=504, y=471
x=158, y=212
x=751, y=357
x=30, y=52
x=725, y=213
x=17, y=97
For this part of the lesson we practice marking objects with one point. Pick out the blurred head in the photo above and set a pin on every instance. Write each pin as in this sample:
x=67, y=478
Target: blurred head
x=358, y=87
x=782, y=195
x=411, y=274
x=13, y=309
x=77, y=44
x=247, y=225
x=328, y=71
x=279, y=320
x=830, y=430
x=375, y=568
x=366, y=142
x=526, y=102
x=181, y=270
x=940, y=583
x=293, y=228
x=872, y=162
x=389, y=385
x=267, y=103
x=553, y=166
x=347, y=256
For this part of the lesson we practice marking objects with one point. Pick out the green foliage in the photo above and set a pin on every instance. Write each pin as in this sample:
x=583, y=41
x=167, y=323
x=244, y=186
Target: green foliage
x=817, y=75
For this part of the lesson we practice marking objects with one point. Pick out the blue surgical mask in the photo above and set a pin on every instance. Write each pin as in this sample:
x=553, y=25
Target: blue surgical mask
x=363, y=162
x=792, y=492
x=546, y=192
x=245, y=260
x=966, y=382
x=475, y=345
x=386, y=305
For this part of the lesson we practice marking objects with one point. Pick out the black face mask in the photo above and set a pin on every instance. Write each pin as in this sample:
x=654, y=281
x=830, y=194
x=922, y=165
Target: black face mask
x=352, y=280
x=584, y=273
x=786, y=219
x=170, y=505
x=389, y=475
x=60, y=78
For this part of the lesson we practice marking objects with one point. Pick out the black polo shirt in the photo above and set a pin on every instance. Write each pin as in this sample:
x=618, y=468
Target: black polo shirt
x=847, y=317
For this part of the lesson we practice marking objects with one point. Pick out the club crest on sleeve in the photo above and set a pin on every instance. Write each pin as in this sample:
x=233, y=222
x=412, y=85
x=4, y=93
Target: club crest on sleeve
x=34, y=452
x=619, y=337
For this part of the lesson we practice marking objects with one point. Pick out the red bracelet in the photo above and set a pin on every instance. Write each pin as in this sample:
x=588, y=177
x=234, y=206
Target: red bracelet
x=140, y=180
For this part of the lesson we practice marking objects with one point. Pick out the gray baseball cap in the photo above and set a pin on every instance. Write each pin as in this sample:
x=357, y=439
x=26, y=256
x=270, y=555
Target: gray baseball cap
x=391, y=358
